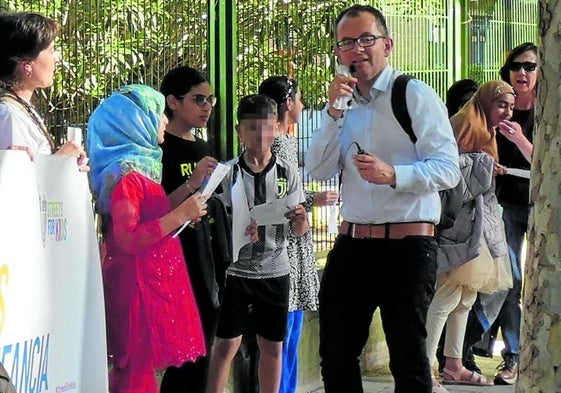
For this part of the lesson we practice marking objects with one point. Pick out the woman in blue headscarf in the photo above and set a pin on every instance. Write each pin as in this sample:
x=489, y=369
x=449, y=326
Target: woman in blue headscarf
x=152, y=318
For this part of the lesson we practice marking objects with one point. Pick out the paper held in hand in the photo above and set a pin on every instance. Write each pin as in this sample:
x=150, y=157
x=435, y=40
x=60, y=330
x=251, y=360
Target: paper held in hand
x=525, y=173
x=213, y=181
x=273, y=212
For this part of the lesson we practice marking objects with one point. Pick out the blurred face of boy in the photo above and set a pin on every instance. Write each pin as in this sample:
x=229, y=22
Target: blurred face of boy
x=258, y=134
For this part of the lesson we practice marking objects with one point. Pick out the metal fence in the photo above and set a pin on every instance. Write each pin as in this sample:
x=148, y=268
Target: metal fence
x=108, y=43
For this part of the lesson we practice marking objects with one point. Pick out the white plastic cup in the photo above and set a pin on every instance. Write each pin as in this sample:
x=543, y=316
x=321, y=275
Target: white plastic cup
x=74, y=134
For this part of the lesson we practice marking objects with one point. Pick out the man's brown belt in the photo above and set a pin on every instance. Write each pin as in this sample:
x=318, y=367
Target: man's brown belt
x=386, y=231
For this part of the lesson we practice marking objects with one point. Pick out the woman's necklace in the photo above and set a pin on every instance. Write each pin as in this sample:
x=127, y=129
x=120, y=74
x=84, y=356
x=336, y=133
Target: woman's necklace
x=33, y=114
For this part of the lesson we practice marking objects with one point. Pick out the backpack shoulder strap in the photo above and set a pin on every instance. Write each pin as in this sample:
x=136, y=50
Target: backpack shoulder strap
x=399, y=105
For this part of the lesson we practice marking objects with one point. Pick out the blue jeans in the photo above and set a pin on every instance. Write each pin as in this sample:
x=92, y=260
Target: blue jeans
x=361, y=275
x=289, y=376
x=516, y=224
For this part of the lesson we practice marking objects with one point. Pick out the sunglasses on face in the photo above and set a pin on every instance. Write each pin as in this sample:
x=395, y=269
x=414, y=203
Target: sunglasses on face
x=201, y=99
x=527, y=65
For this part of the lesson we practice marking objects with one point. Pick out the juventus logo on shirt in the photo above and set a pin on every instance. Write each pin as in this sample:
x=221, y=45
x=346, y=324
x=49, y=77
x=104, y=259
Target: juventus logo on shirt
x=282, y=187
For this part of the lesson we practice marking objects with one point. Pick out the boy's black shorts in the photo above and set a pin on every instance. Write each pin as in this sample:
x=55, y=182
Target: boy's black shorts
x=264, y=300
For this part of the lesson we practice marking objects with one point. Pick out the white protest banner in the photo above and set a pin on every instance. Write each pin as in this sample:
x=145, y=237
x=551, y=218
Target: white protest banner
x=52, y=319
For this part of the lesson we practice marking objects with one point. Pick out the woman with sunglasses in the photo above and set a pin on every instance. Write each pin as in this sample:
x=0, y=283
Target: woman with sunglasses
x=515, y=140
x=514, y=143
x=187, y=160
x=515, y=151
x=28, y=62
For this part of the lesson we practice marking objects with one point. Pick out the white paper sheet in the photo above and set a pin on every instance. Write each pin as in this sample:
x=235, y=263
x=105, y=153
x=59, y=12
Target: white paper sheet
x=273, y=212
x=525, y=173
x=333, y=223
x=217, y=175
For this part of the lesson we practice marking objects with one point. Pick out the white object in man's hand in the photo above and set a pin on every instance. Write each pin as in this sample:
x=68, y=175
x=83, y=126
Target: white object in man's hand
x=344, y=101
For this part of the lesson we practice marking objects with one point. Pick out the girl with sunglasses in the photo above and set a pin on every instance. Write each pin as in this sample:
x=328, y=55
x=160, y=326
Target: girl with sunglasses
x=187, y=160
x=189, y=102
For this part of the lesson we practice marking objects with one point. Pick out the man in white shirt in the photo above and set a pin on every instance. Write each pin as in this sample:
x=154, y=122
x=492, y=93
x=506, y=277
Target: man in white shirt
x=385, y=255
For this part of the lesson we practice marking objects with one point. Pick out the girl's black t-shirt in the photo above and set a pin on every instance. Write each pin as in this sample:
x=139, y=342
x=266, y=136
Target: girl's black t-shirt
x=205, y=259
x=179, y=159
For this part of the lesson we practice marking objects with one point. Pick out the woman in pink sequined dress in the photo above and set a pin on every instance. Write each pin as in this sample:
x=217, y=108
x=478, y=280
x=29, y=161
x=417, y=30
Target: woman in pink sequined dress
x=152, y=318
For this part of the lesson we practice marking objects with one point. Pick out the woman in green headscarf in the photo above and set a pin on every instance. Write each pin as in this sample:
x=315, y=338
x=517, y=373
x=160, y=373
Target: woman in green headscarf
x=152, y=318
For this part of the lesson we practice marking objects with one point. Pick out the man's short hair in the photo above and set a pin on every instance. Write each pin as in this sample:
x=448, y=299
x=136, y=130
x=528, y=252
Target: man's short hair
x=256, y=106
x=356, y=10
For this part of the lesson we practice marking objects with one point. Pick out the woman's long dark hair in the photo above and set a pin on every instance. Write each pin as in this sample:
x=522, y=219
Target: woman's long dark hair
x=280, y=89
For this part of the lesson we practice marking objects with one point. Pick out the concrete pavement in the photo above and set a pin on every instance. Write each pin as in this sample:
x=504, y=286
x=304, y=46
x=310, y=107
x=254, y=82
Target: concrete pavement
x=382, y=382
x=374, y=385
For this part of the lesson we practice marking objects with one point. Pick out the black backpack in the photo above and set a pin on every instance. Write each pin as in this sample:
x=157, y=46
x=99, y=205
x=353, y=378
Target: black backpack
x=450, y=199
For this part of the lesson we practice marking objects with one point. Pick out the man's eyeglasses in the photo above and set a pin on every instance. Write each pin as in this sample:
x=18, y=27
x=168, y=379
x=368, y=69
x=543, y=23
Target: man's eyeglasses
x=364, y=41
x=201, y=99
x=527, y=65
